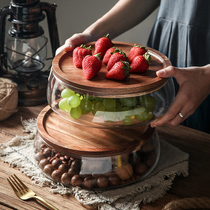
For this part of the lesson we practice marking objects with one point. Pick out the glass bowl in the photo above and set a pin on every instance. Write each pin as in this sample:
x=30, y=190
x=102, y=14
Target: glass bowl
x=93, y=158
x=104, y=103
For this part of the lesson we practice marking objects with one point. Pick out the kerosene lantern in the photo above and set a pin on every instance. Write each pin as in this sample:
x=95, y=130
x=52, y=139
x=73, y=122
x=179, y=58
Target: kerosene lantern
x=24, y=50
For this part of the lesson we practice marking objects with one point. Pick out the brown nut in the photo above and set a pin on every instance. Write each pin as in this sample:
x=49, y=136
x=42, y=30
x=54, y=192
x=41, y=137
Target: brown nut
x=56, y=162
x=48, y=169
x=47, y=152
x=114, y=180
x=102, y=182
x=66, y=178
x=56, y=175
x=43, y=163
x=63, y=168
x=76, y=180
x=89, y=182
x=125, y=171
x=140, y=168
x=73, y=171
x=76, y=164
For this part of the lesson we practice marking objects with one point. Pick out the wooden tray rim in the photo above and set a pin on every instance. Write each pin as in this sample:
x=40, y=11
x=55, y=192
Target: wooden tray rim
x=133, y=90
x=49, y=140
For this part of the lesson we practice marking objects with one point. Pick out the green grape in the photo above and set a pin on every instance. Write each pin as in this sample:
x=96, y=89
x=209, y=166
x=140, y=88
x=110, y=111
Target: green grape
x=76, y=112
x=130, y=102
x=66, y=93
x=109, y=104
x=74, y=101
x=127, y=120
x=63, y=105
x=118, y=106
x=148, y=101
x=144, y=116
x=86, y=106
x=99, y=99
x=125, y=108
x=94, y=102
x=89, y=97
x=99, y=107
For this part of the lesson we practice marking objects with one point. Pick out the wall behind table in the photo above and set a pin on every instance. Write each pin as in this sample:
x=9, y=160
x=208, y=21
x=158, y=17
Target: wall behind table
x=73, y=16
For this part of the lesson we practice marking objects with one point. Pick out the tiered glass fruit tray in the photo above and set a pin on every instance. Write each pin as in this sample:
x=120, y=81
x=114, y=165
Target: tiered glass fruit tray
x=103, y=140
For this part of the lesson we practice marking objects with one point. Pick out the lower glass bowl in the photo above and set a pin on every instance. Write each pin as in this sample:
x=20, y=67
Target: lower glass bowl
x=74, y=159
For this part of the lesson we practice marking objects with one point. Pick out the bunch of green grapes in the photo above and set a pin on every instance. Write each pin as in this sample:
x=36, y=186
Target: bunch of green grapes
x=123, y=109
x=70, y=103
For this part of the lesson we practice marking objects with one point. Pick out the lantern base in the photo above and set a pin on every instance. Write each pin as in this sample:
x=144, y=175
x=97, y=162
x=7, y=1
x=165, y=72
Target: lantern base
x=32, y=90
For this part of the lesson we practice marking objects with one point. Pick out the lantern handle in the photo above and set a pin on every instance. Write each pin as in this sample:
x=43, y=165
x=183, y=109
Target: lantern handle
x=50, y=9
x=4, y=12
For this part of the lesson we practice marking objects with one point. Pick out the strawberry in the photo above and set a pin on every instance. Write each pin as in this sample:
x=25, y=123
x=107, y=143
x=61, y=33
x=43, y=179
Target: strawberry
x=140, y=63
x=91, y=65
x=79, y=53
x=136, y=50
x=108, y=55
x=117, y=55
x=120, y=71
x=102, y=45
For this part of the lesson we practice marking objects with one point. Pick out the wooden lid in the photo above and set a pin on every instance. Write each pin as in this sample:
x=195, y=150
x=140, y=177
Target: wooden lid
x=70, y=138
x=137, y=84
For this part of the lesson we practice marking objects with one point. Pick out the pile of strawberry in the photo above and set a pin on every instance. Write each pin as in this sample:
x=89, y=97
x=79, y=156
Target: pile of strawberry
x=119, y=65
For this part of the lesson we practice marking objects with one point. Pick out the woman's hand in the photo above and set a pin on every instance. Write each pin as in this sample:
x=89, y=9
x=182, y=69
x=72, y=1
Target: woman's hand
x=75, y=40
x=194, y=87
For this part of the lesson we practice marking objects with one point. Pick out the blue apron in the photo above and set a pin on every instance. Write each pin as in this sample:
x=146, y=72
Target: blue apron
x=182, y=33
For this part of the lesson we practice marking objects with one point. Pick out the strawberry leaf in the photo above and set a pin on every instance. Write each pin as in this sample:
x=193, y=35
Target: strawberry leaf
x=148, y=57
x=126, y=68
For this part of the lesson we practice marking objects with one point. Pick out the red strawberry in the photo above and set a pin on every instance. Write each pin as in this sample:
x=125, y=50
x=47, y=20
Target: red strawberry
x=136, y=50
x=91, y=65
x=117, y=55
x=102, y=45
x=120, y=71
x=79, y=53
x=108, y=55
x=140, y=63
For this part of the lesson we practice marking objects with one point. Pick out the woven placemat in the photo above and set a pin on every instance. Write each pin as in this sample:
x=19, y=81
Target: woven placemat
x=173, y=162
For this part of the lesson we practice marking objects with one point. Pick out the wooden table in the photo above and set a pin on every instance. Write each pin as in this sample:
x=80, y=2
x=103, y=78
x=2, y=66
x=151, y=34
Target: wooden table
x=197, y=184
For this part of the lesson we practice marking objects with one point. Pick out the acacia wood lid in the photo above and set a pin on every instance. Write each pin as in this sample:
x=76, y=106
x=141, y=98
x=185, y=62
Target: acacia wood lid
x=137, y=84
x=70, y=138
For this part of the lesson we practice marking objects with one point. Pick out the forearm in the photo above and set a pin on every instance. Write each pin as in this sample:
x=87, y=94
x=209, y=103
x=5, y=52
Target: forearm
x=206, y=76
x=123, y=16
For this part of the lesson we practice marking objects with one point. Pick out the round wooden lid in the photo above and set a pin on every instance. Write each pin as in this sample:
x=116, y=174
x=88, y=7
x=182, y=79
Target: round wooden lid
x=70, y=138
x=137, y=84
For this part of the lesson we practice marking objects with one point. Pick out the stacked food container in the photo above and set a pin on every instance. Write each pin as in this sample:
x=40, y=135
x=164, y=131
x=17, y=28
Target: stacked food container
x=96, y=133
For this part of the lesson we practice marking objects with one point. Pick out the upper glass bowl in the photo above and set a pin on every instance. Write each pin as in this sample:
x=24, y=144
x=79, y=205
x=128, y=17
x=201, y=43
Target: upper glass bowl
x=104, y=103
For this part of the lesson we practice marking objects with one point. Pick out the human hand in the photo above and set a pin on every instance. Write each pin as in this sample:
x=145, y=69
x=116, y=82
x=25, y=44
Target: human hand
x=194, y=87
x=76, y=39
